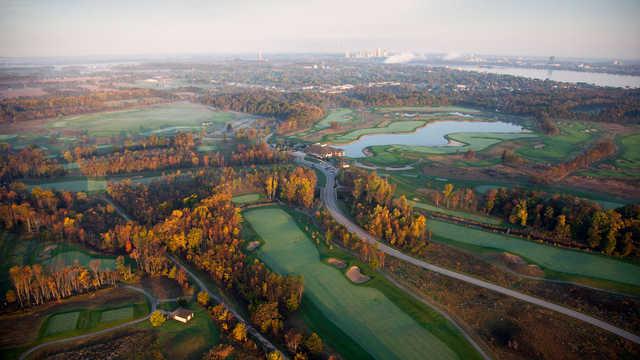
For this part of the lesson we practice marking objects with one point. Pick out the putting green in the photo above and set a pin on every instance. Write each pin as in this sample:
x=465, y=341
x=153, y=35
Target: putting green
x=83, y=258
x=554, y=258
x=363, y=313
x=175, y=116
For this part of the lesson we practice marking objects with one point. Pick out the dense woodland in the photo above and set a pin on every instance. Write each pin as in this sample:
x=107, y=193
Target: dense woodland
x=28, y=162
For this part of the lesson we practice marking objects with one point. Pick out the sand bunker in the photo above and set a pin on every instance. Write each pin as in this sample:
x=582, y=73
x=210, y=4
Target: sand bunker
x=337, y=263
x=253, y=245
x=356, y=276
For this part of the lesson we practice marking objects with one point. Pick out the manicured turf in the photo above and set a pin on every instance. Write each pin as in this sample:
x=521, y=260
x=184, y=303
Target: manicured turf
x=122, y=313
x=394, y=127
x=61, y=322
x=336, y=115
x=246, y=198
x=173, y=116
x=363, y=313
x=62, y=258
x=550, y=257
x=573, y=138
x=460, y=214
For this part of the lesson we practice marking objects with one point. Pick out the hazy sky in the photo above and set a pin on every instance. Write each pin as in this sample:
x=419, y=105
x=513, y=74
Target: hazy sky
x=582, y=28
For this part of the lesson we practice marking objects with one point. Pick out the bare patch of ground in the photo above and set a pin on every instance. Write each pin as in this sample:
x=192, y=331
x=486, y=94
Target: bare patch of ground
x=126, y=344
x=253, y=245
x=340, y=264
x=356, y=276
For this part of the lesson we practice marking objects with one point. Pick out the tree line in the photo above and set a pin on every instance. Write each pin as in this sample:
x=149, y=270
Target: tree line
x=371, y=200
x=563, y=219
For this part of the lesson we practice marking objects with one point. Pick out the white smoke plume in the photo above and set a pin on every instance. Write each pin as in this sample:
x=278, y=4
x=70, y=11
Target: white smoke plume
x=399, y=58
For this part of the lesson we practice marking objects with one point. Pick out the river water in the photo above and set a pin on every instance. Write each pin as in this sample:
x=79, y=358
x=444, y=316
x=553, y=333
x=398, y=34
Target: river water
x=599, y=79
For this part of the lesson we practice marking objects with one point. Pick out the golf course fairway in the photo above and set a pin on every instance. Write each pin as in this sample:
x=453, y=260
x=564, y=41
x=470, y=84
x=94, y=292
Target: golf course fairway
x=362, y=312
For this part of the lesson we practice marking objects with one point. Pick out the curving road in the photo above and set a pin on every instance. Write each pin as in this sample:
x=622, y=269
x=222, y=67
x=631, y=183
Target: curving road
x=328, y=195
x=152, y=301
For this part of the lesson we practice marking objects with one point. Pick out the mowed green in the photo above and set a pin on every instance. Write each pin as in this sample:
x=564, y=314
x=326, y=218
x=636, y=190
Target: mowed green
x=146, y=119
x=363, y=313
x=246, y=198
x=60, y=323
x=553, y=258
x=394, y=127
x=461, y=214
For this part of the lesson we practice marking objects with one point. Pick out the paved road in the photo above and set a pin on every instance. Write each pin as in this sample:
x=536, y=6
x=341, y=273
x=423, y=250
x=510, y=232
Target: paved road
x=152, y=301
x=264, y=342
x=328, y=195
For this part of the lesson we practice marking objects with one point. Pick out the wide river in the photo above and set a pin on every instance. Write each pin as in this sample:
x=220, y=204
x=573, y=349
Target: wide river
x=599, y=79
x=432, y=134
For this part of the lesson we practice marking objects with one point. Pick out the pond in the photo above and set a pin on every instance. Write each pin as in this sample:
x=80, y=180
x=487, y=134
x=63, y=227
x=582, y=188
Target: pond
x=432, y=134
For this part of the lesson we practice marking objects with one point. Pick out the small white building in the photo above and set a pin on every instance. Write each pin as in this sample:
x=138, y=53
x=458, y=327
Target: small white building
x=181, y=314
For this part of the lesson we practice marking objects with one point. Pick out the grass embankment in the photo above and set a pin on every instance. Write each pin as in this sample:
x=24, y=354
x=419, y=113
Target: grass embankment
x=556, y=259
x=376, y=315
x=145, y=120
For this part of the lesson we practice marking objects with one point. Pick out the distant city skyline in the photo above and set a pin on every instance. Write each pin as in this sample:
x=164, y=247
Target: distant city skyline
x=569, y=28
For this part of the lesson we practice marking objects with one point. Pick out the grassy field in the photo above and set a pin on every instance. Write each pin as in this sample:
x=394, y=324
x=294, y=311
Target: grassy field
x=461, y=214
x=246, y=198
x=59, y=323
x=394, y=127
x=364, y=313
x=574, y=136
x=549, y=257
x=80, y=321
x=175, y=116
x=186, y=341
x=86, y=185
